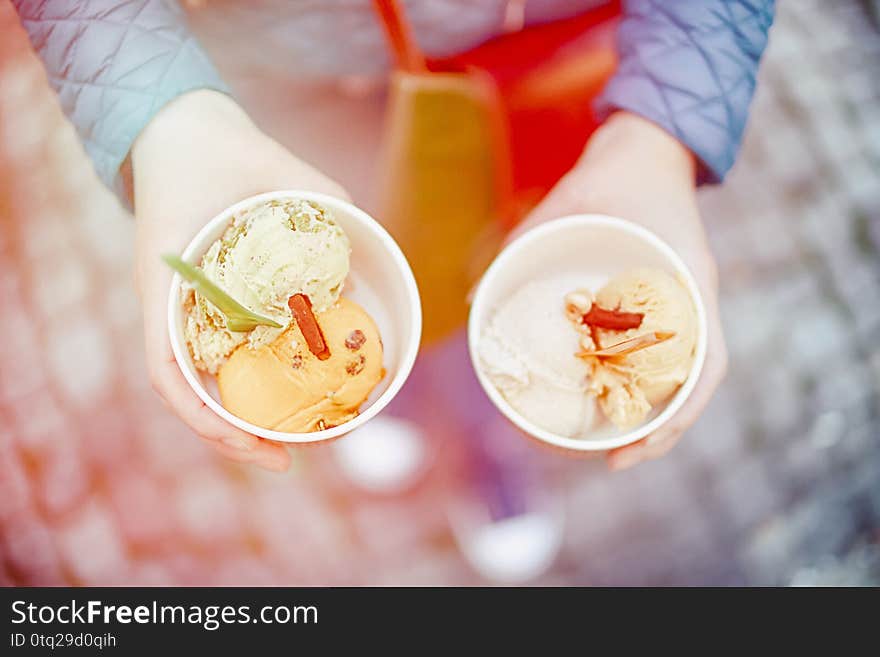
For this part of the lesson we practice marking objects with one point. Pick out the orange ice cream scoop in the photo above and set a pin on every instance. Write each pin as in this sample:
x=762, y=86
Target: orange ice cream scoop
x=285, y=387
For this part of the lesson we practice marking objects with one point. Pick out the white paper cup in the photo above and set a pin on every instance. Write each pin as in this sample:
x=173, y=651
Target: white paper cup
x=581, y=251
x=380, y=280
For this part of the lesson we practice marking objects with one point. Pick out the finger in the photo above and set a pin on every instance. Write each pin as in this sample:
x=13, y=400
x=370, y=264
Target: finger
x=551, y=207
x=294, y=174
x=229, y=440
x=183, y=402
x=171, y=385
x=661, y=441
x=321, y=185
x=557, y=203
x=332, y=189
x=628, y=456
x=268, y=455
x=666, y=437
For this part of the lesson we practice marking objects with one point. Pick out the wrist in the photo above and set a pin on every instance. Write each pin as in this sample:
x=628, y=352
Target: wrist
x=185, y=140
x=633, y=143
x=186, y=119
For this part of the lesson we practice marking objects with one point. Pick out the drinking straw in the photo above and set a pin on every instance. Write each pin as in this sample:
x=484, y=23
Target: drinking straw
x=408, y=56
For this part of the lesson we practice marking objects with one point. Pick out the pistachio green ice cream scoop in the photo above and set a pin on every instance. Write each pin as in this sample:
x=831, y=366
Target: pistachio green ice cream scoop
x=238, y=318
x=270, y=252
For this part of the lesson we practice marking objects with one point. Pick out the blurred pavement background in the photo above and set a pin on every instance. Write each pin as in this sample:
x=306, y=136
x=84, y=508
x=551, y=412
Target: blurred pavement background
x=778, y=483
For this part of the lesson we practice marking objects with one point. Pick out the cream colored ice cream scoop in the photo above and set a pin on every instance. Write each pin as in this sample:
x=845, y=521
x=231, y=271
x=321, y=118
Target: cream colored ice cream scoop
x=528, y=351
x=284, y=387
x=628, y=386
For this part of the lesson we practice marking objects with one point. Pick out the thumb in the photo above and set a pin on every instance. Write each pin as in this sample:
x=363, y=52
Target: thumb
x=559, y=202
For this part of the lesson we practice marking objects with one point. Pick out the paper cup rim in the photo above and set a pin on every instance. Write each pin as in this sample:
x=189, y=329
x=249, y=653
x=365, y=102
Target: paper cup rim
x=561, y=225
x=197, y=246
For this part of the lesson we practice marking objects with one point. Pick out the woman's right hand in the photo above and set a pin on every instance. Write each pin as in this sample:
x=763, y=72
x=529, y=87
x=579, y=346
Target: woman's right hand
x=200, y=154
x=633, y=169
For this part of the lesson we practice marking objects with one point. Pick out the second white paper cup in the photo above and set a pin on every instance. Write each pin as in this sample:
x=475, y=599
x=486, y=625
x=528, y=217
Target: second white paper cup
x=587, y=250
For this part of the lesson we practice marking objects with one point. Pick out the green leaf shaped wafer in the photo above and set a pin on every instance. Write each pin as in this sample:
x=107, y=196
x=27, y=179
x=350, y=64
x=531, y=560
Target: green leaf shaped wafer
x=238, y=318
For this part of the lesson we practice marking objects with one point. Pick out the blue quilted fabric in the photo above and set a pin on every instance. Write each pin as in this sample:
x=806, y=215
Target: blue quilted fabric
x=690, y=66
x=115, y=64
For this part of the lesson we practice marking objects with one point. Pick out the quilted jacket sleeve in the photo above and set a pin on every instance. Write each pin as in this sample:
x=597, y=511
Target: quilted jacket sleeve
x=114, y=64
x=690, y=66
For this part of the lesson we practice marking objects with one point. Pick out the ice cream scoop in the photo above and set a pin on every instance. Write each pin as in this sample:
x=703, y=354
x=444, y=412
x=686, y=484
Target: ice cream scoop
x=285, y=387
x=268, y=253
x=628, y=386
x=528, y=349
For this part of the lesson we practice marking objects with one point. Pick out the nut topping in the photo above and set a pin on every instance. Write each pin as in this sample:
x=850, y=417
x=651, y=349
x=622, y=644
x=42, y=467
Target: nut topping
x=355, y=340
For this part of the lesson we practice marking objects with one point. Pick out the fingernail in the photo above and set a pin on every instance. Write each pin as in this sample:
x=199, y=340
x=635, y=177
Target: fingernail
x=237, y=443
x=654, y=438
x=622, y=462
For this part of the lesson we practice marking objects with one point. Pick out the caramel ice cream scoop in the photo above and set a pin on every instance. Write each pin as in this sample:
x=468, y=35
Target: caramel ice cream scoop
x=628, y=387
x=285, y=387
